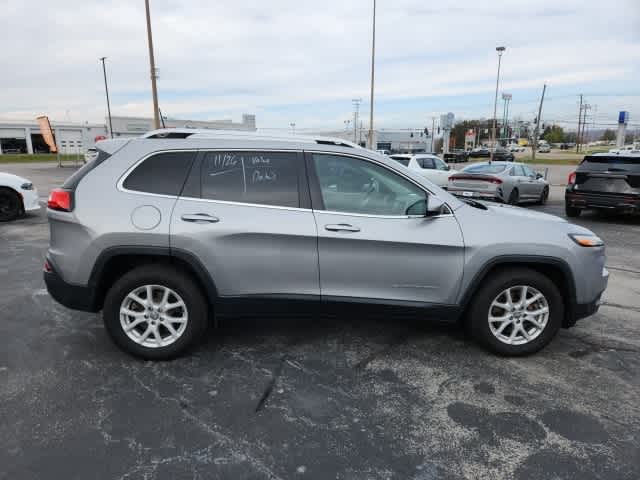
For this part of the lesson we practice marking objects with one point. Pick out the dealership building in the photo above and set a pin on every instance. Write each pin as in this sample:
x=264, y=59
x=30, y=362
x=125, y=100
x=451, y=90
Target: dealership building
x=395, y=141
x=25, y=137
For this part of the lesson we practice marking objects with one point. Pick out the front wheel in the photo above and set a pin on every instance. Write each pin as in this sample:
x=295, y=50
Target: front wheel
x=544, y=196
x=10, y=205
x=514, y=197
x=517, y=312
x=155, y=312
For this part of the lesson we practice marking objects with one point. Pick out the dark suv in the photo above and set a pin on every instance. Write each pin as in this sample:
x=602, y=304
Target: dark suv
x=605, y=182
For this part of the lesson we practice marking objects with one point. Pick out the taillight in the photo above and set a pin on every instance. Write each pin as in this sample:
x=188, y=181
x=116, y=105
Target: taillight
x=497, y=181
x=47, y=267
x=572, y=178
x=60, y=199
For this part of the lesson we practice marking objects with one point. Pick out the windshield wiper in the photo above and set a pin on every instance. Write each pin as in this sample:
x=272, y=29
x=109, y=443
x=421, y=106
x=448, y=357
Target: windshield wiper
x=474, y=203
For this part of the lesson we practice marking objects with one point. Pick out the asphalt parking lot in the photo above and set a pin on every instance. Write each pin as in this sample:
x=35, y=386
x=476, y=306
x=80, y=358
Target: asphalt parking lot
x=315, y=398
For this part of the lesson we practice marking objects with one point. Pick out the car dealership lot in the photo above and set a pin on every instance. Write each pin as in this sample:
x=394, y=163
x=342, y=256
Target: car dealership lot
x=349, y=397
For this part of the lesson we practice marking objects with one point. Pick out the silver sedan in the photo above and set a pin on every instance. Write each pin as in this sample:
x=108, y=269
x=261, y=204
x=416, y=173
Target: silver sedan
x=507, y=182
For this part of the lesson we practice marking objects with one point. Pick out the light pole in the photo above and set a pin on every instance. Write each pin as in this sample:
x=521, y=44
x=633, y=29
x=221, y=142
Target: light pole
x=106, y=90
x=152, y=65
x=373, y=62
x=500, y=51
x=293, y=127
x=356, y=116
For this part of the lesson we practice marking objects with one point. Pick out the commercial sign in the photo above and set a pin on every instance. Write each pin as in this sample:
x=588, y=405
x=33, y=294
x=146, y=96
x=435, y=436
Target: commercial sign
x=47, y=134
x=623, y=118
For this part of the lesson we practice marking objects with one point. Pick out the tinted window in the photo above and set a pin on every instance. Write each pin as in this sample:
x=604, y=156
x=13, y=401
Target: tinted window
x=268, y=178
x=352, y=185
x=426, y=163
x=485, y=168
x=163, y=173
x=403, y=160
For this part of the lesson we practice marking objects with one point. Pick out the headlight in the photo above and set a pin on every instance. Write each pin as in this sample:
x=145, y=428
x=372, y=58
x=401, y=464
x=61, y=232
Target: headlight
x=586, y=240
x=27, y=186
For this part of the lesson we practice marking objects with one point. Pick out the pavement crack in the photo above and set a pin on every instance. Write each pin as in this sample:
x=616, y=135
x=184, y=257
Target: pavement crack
x=271, y=384
x=621, y=269
x=596, y=347
x=623, y=307
x=393, y=343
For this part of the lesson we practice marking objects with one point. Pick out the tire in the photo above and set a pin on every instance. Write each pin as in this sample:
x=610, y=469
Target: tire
x=182, y=287
x=482, y=306
x=544, y=196
x=10, y=205
x=572, y=211
x=514, y=197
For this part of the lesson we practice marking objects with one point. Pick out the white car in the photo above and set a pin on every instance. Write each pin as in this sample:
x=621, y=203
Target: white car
x=514, y=147
x=431, y=166
x=17, y=196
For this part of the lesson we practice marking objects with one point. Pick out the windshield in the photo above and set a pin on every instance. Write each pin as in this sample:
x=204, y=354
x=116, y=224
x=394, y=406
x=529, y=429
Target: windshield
x=485, y=168
x=404, y=161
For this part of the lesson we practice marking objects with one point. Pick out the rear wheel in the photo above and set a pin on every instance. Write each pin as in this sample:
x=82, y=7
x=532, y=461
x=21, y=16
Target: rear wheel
x=572, y=211
x=155, y=312
x=10, y=205
x=516, y=312
x=514, y=197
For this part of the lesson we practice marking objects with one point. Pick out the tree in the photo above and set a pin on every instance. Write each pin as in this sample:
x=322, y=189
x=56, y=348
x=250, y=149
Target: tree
x=553, y=134
x=608, y=135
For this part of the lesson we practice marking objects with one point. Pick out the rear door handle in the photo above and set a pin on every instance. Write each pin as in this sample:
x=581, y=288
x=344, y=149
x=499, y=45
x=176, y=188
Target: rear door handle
x=199, y=218
x=341, y=227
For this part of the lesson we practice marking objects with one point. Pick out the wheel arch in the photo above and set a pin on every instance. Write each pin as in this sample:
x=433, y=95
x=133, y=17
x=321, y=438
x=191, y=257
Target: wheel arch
x=116, y=261
x=17, y=193
x=556, y=269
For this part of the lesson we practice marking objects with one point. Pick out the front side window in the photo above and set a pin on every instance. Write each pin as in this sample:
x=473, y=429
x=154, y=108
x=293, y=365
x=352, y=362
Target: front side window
x=440, y=165
x=352, y=185
x=266, y=178
x=517, y=171
x=162, y=173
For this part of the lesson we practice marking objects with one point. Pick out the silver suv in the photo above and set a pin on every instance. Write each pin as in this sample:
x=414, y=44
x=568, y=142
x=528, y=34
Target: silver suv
x=164, y=232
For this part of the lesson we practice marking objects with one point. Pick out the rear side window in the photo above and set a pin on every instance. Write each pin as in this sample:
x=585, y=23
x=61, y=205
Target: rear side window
x=517, y=171
x=163, y=173
x=266, y=178
x=404, y=161
x=426, y=163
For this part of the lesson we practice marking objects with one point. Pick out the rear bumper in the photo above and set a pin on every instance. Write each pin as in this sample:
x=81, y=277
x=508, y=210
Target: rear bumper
x=75, y=297
x=483, y=195
x=608, y=201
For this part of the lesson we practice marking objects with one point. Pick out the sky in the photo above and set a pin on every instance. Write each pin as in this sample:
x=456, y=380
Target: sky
x=304, y=61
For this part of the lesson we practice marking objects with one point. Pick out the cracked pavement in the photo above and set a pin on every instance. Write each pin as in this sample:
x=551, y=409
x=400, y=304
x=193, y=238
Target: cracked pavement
x=316, y=398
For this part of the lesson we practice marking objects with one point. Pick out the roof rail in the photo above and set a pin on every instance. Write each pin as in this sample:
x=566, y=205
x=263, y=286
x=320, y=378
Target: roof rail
x=176, y=133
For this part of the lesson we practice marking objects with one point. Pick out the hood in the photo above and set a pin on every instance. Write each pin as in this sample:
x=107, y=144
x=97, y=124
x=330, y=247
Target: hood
x=10, y=178
x=519, y=212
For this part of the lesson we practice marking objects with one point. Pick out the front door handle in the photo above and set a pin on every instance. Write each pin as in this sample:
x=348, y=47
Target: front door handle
x=341, y=227
x=199, y=218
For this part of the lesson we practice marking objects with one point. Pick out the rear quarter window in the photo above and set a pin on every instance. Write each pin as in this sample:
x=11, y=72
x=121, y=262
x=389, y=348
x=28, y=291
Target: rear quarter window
x=163, y=173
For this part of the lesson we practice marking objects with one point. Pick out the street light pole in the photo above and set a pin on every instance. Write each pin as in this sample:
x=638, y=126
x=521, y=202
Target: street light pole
x=373, y=61
x=106, y=90
x=500, y=51
x=293, y=128
x=152, y=65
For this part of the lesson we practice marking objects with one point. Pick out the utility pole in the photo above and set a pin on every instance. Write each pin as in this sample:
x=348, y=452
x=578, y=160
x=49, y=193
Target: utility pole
x=579, y=124
x=106, y=90
x=500, y=51
x=537, y=129
x=293, y=127
x=373, y=62
x=433, y=131
x=585, y=107
x=356, y=115
x=154, y=76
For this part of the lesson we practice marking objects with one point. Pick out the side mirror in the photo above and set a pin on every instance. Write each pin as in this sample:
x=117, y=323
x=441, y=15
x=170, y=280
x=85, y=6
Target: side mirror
x=435, y=206
x=539, y=176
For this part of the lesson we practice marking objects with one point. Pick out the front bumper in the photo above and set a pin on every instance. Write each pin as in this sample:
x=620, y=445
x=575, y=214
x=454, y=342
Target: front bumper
x=30, y=200
x=583, y=310
x=75, y=297
x=607, y=201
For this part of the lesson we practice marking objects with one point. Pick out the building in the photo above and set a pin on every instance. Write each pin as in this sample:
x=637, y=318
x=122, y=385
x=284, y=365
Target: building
x=136, y=126
x=395, y=141
x=25, y=137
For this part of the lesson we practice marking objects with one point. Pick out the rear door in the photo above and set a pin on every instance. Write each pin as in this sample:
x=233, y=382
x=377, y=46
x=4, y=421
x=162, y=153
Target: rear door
x=370, y=247
x=246, y=216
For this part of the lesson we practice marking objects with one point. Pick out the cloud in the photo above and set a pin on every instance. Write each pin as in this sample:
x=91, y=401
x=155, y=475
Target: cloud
x=298, y=61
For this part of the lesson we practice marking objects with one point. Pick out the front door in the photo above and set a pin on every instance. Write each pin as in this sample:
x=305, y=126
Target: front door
x=242, y=214
x=370, y=245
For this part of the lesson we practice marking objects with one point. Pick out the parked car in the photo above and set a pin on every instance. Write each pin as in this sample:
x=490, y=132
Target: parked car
x=544, y=148
x=457, y=155
x=505, y=182
x=605, y=182
x=17, y=196
x=163, y=234
x=626, y=149
x=431, y=166
x=503, y=155
x=479, y=152
x=514, y=147
x=11, y=150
